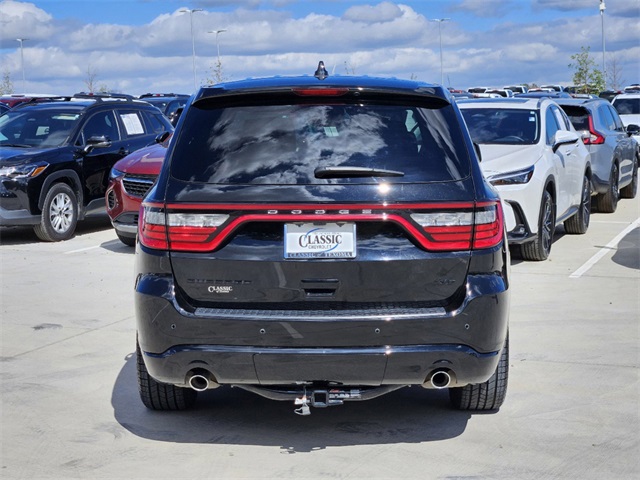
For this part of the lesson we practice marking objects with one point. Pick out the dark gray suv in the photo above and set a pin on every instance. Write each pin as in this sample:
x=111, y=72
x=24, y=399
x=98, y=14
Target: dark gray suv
x=322, y=240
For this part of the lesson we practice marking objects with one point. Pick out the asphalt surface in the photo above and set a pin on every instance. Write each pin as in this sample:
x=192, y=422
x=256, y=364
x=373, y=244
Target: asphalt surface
x=70, y=406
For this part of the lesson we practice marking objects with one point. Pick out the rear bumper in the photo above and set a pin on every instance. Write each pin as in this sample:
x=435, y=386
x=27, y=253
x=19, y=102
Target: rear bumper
x=256, y=347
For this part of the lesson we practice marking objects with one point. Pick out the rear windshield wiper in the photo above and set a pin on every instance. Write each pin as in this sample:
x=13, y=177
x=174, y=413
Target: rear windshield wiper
x=352, y=172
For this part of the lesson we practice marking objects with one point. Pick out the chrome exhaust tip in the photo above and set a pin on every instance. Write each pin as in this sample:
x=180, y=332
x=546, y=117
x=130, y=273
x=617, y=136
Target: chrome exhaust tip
x=439, y=379
x=201, y=380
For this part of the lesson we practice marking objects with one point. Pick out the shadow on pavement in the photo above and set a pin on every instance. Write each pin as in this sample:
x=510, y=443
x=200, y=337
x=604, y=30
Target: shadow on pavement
x=231, y=416
x=628, y=251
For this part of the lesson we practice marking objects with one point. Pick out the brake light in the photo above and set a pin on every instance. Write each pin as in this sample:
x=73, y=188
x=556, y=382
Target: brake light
x=463, y=230
x=594, y=138
x=321, y=92
x=178, y=231
x=435, y=227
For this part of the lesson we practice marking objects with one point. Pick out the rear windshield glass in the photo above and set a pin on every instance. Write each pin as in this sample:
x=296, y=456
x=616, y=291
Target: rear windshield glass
x=627, y=106
x=503, y=125
x=319, y=144
x=579, y=116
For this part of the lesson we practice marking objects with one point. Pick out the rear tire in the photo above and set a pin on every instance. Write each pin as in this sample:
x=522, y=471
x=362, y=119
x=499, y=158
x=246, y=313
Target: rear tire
x=161, y=396
x=539, y=249
x=59, y=214
x=579, y=223
x=129, y=241
x=489, y=395
x=608, y=202
x=631, y=190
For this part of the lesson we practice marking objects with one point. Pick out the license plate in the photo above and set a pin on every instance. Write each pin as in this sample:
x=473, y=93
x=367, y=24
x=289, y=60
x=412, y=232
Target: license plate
x=326, y=240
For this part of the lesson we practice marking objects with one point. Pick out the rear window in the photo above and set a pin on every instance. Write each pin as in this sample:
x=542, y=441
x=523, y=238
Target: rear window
x=503, y=126
x=627, y=106
x=579, y=116
x=290, y=144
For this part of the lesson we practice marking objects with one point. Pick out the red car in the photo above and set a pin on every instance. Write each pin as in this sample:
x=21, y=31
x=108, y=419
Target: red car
x=129, y=181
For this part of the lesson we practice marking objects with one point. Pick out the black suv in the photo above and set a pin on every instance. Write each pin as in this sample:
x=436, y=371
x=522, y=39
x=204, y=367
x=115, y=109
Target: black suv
x=55, y=157
x=171, y=104
x=321, y=240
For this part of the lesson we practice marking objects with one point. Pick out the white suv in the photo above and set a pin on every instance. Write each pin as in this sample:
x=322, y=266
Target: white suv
x=537, y=161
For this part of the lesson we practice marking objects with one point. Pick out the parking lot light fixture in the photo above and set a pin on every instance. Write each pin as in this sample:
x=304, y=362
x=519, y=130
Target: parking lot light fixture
x=191, y=11
x=217, y=32
x=440, y=20
x=604, y=65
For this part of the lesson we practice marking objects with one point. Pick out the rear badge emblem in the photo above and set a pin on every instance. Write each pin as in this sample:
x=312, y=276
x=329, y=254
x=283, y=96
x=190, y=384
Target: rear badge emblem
x=220, y=289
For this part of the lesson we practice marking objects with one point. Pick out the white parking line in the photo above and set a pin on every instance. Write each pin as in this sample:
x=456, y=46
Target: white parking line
x=604, y=250
x=81, y=250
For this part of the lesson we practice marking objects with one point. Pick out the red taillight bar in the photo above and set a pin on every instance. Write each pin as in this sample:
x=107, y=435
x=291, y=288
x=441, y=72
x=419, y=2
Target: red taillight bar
x=463, y=225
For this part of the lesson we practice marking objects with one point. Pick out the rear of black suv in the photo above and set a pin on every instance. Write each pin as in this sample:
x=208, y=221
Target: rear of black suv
x=322, y=240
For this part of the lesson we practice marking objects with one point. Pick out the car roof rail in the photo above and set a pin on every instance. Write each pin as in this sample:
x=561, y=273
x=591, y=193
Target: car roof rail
x=99, y=97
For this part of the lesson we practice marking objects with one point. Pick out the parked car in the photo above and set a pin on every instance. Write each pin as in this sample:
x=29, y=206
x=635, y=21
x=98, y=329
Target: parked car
x=55, y=158
x=168, y=103
x=537, y=93
x=555, y=88
x=609, y=94
x=501, y=92
x=322, y=240
x=628, y=107
x=129, y=181
x=11, y=100
x=613, y=153
x=536, y=160
x=517, y=88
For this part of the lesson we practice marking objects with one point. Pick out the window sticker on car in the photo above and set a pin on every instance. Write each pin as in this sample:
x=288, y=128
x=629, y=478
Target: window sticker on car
x=132, y=123
x=311, y=240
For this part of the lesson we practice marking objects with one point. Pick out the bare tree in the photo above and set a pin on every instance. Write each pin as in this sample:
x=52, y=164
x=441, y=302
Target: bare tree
x=217, y=74
x=350, y=68
x=6, y=87
x=614, y=73
x=90, y=81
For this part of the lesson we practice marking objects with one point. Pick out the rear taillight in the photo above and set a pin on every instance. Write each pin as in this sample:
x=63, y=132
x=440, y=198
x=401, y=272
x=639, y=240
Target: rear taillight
x=594, y=138
x=178, y=231
x=477, y=228
x=435, y=227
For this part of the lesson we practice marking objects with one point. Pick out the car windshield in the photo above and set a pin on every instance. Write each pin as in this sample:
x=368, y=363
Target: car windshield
x=36, y=128
x=627, y=106
x=319, y=144
x=503, y=126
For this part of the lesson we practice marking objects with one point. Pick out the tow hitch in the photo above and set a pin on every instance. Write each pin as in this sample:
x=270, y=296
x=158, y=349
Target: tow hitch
x=325, y=398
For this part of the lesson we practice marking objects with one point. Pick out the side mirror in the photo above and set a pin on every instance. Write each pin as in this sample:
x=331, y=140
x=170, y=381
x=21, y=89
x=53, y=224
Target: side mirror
x=633, y=129
x=162, y=137
x=97, y=141
x=564, y=137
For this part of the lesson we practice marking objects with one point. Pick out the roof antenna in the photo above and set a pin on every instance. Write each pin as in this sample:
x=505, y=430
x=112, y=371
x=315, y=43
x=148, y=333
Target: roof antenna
x=321, y=72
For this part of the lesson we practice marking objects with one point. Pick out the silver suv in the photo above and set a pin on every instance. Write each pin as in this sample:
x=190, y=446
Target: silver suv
x=613, y=152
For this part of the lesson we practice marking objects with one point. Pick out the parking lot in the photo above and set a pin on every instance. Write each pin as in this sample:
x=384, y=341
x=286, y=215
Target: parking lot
x=70, y=406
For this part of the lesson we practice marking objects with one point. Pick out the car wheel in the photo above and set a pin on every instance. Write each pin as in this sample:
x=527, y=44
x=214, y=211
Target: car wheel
x=129, y=241
x=579, y=223
x=540, y=248
x=161, y=396
x=631, y=190
x=488, y=395
x=608, y=202
x=59, y=214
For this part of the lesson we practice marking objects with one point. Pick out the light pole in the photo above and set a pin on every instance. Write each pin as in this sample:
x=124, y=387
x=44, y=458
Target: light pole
x=22, y=40
x=440, y=20
x=191, y=11
x=217, y=32
x=604, y=66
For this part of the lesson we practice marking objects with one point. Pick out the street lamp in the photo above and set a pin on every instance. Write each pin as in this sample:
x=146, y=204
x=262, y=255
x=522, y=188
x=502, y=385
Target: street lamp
x=604, y=67
x=217, y=32
x=22, y=40
x=440, y=20
x=191, y=11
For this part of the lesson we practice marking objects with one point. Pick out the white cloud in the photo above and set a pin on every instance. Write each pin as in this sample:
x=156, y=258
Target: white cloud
x=383, y=12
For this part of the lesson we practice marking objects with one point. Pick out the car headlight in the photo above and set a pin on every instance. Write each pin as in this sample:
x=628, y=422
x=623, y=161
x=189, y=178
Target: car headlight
x=23, y=171
x=512, y=178
x=115, y=173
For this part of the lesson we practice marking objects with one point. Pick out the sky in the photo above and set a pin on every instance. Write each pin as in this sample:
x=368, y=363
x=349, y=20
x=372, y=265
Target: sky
x=140, y=46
